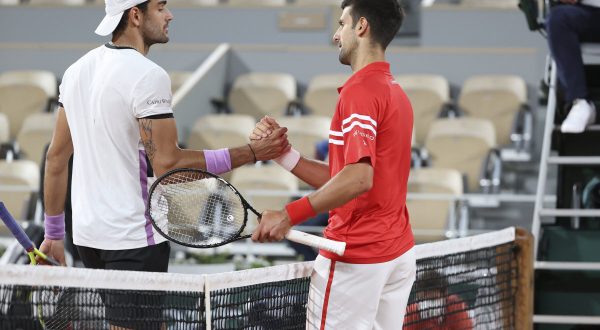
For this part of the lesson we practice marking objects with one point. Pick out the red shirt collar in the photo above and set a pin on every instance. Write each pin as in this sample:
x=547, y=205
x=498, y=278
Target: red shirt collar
x=375, y=66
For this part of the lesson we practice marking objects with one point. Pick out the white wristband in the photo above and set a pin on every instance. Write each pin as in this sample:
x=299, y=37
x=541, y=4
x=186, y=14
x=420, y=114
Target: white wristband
x=289, y=160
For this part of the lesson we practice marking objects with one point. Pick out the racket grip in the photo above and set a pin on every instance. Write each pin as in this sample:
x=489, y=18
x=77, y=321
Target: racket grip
x=317, y=242
x=15, y=229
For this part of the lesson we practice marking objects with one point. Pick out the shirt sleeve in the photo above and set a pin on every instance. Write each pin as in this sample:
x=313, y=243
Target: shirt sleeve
x=458, y=314
x=152, y=94
x=359, y=114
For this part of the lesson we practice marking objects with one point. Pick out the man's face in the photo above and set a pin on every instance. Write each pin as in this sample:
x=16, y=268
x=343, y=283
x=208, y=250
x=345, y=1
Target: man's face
x=345, y=37
x=155, y=26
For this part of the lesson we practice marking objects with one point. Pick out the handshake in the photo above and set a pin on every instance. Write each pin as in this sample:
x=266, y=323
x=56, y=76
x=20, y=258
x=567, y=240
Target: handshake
x=269, y=142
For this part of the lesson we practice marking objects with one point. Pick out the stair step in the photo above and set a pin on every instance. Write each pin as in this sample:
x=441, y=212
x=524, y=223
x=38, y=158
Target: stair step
x=574, y=160
x=566, y=319
x=585, y=213
x=591, y=128
x=560, y=265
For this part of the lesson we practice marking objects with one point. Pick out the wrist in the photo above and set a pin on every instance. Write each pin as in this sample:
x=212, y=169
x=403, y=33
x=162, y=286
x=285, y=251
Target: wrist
x=288, y=160
x=217, y=161
x=54, y=227
x=300, y=210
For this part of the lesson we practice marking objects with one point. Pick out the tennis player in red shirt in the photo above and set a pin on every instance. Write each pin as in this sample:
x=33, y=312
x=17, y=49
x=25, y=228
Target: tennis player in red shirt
x=363, y=186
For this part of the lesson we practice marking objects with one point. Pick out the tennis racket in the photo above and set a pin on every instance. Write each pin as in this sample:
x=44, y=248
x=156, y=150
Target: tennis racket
x=199, y=209
x=23, y=239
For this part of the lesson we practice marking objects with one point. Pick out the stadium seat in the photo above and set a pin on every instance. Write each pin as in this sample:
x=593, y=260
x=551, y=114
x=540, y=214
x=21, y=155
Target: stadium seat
x=24, y=93
x=18, y=179
x=178, y=78
x=258, y=94
x=428, y=95
x=474, y=137
x=432, y=215
x=322, y=93
x=9, y=2
x=265, y=177
x=4, y=129
x=498, y=98
x=305, y=131
x=35, y=134
x=220, y=131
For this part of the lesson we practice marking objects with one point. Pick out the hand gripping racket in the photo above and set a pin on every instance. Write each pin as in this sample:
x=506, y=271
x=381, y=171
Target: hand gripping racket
x=199, y=209
x=20, y=235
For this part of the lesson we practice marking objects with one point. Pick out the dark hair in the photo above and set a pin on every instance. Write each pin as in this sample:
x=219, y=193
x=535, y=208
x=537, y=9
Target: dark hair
x=384, y=16
x=125, y=18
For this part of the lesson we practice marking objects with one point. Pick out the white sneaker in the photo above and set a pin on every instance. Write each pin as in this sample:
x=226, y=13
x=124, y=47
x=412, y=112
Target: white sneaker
x=582, y=114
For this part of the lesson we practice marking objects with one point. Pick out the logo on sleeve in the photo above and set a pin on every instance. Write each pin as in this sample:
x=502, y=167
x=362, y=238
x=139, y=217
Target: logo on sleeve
x=364, y=135
x=158, y=101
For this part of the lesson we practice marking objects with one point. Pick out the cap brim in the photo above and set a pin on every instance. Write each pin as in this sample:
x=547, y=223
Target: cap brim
x=108, y=24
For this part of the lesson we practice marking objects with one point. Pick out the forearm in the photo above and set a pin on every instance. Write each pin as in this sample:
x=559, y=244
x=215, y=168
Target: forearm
x=184, y=158
x=313, y=172
x=348, y=184
x=56, y=180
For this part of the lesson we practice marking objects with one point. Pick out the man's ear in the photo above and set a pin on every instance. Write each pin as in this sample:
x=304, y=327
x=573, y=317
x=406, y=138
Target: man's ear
x=135, y=16
x=362, y=26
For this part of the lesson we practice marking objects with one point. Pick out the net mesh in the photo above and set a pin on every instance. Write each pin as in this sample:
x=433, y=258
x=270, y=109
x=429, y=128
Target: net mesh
x=194, y=208
x=461, y=284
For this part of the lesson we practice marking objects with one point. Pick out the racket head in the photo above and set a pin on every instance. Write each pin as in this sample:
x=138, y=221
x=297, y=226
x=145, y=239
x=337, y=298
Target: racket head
x=197, y=209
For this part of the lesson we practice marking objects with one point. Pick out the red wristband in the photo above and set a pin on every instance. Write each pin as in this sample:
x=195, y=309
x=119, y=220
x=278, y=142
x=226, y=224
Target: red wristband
x=300, y=210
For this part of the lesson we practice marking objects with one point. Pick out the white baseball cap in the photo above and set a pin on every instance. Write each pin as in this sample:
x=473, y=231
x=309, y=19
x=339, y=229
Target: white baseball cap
x=114, y=11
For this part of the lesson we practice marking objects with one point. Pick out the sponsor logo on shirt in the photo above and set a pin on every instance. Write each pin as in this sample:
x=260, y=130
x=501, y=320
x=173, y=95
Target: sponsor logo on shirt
x=158, y=101
x=364, y=135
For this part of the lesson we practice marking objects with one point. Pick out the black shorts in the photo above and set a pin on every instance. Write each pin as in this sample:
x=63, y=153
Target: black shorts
x=142, y=310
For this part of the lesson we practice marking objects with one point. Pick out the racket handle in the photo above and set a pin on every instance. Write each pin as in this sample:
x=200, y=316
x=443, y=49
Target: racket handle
x=317, y=242
x=15, y=229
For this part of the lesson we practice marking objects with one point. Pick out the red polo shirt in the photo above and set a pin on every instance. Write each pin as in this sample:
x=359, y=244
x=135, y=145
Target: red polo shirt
x=374, y=121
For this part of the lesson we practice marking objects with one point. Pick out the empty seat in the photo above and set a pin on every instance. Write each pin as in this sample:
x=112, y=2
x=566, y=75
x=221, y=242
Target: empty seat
x=4, y=128
x=432, y=215
x=462, y=144
x=221, y=131
x=35, y=134
x=258, y=94
x=322, y=93
x=304, y=132
x=495, y=97
x=18, y=179
x=178, y=78
x=10, y=2
x=24, y=93
x=428, y=94
x=265, y=178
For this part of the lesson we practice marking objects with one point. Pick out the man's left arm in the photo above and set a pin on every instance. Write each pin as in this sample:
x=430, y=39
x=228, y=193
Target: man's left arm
x=352, y=181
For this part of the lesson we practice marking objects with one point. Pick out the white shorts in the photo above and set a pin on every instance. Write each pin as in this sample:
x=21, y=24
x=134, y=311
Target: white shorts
x=360, y=296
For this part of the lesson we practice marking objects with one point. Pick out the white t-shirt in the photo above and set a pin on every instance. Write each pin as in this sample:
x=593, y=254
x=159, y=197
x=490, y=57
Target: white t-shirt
x=104, y=93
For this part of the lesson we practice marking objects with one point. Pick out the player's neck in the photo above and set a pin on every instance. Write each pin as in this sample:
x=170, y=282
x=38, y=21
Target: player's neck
x=134, y=41
x=367, y=56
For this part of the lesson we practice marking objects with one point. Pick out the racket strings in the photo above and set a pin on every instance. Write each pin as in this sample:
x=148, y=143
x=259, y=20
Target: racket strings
x=197, y=209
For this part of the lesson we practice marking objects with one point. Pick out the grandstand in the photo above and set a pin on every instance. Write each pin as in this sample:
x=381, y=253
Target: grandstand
x=471, y=69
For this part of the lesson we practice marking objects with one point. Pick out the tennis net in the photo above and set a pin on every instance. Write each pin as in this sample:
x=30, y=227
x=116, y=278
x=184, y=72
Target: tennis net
x=480, y=273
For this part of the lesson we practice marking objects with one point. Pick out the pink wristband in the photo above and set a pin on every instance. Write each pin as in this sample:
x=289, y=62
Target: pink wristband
x=54, y=227
x=217, y=161
x=300, y=210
